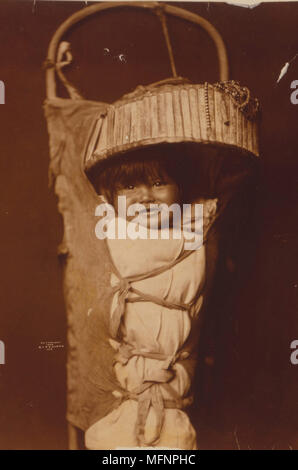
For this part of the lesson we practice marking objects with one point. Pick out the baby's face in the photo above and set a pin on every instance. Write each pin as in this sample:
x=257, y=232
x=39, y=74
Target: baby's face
x=160, y=191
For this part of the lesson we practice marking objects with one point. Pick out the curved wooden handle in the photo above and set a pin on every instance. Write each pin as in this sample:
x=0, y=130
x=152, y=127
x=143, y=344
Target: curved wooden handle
x=168, y=9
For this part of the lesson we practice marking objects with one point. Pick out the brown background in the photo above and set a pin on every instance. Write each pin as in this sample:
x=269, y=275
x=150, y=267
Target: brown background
x=248, y=398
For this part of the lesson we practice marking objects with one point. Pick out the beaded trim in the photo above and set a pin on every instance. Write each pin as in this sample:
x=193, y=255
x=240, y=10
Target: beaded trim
x=240, y=96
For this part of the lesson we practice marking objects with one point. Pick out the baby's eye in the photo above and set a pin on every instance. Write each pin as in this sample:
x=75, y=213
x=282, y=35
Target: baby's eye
x=130, y=186
x=158, y=183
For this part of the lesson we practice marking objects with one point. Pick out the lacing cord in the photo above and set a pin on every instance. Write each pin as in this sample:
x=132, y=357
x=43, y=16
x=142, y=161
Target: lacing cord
x=149, y=393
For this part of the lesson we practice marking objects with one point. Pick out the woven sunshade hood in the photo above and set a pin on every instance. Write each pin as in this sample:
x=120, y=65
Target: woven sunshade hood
x=175, y=113
x=170, y=111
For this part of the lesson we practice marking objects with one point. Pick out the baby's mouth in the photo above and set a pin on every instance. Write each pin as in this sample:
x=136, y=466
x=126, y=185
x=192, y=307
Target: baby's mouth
x=149, y=210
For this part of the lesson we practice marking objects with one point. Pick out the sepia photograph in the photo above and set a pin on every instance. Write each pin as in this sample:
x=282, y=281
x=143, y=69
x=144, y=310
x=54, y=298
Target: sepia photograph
x=149, y=226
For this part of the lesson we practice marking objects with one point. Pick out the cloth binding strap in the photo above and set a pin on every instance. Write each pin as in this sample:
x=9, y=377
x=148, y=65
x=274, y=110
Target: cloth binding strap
x=149, y=393
x=124, y=287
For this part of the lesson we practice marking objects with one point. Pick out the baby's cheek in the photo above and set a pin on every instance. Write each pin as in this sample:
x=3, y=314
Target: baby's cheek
x=121, y=203
x=171, y=195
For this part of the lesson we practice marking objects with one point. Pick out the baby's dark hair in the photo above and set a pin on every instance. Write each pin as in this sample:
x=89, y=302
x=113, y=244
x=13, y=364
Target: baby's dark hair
x=198, y=170
x=144, y=165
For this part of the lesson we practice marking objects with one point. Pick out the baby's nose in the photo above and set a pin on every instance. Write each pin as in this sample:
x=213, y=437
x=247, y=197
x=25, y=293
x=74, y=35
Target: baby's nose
x=146, y=193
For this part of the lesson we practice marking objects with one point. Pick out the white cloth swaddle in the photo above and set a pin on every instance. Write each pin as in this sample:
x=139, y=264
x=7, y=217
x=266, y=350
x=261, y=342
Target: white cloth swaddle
x=148, y=329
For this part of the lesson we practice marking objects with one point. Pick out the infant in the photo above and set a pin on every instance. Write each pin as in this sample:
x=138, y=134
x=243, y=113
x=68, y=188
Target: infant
x=158, y=285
